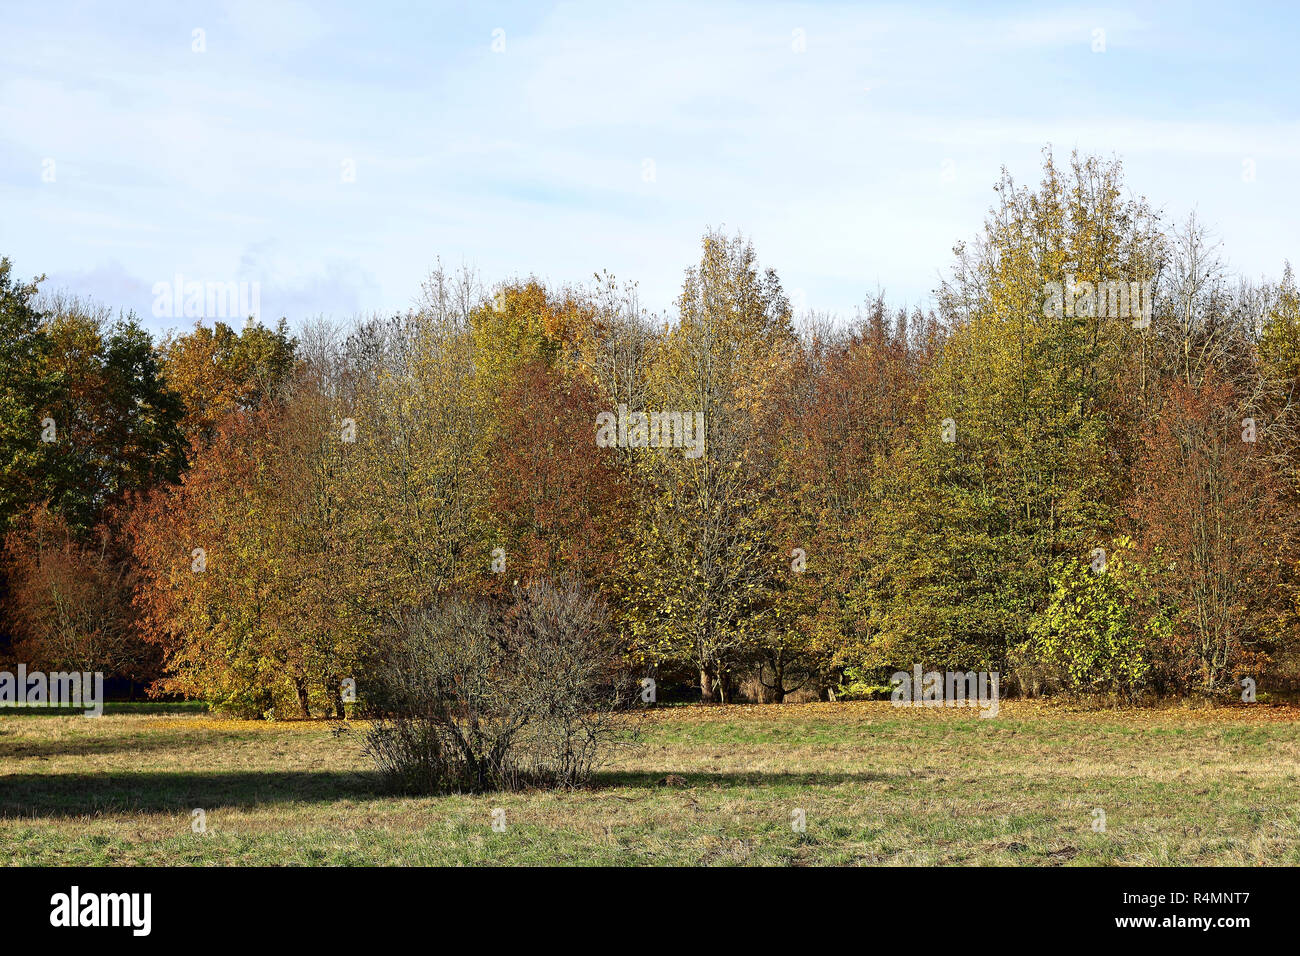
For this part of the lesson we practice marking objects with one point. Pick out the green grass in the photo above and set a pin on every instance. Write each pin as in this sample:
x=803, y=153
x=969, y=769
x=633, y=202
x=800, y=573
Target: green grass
x=878, y=785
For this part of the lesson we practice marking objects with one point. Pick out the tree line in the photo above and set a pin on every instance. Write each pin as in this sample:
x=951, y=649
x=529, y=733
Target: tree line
x=1087, y=500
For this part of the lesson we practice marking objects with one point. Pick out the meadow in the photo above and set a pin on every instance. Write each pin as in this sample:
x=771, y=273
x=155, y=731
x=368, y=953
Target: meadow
x=714, y=785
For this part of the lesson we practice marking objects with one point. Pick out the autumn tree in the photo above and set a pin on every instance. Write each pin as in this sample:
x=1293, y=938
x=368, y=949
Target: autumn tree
x=1212, y=520
x=118, y=422
x=415, y=512
x=217, y=370
x=109, y=427
x=704, y=552
x=857, y=398
x=70, y=600
x=200, y=593
x=1021, y=456
x=561, y=502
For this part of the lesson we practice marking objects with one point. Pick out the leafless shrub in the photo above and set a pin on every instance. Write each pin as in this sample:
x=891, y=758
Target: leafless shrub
x=473, y=698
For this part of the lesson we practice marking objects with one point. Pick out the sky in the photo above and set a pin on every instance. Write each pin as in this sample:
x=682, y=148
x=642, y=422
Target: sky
x=331, y=152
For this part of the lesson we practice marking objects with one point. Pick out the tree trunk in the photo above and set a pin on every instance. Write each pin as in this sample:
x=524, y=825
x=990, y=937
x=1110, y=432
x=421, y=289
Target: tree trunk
x=706, y=686
x=778, y=683
x=303, y=700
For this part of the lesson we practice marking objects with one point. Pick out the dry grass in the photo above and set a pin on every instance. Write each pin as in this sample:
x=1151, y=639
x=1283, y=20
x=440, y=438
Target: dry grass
x=878, y=785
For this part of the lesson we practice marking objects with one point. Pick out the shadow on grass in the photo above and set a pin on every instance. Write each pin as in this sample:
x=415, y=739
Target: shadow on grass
x=16, y=747
x=66, y=795
x=734, y=778
x=69, y=795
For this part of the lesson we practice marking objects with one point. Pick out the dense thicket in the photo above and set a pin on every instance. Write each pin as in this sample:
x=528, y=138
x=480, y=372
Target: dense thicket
x=1079, y=470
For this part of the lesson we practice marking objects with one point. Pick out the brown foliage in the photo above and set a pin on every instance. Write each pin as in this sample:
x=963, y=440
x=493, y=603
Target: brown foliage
x=1212, y=522
x=559, y=498
x=70, y=602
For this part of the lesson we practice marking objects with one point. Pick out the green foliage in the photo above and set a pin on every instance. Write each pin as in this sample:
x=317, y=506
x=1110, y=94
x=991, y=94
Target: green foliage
x=1090, y=638
x=1013, y=462
x=27, y=384
x=1279, y=345
x=119, y=424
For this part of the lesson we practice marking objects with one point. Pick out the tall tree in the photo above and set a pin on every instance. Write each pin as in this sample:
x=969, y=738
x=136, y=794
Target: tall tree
x=1212, y=518
x=1021, y=455
x=705, y=551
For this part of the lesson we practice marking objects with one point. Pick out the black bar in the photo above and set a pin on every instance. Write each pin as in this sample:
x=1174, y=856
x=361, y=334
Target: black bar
x=349, y=908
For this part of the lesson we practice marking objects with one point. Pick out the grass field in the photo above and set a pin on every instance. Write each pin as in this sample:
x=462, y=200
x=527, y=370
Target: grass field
x=878, y=785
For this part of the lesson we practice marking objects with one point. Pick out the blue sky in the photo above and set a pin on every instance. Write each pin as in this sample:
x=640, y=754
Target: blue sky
x=854, y=143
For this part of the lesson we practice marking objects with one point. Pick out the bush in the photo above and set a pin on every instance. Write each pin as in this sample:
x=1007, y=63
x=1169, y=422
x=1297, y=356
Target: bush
x=1091, y=637
x=472, y=697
